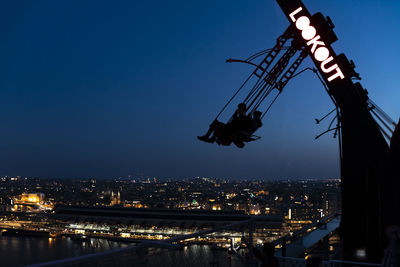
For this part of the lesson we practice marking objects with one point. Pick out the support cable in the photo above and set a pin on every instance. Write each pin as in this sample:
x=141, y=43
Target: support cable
x=230, y=100
x=270, y=105
x=265, y=76
x=289, y=74
x=319, y=120
x=339, y=121
x=327, y=131
x=382, y=113
x=272, y=53
x=384, y=132
x=272, y=77
x=330, y=124
x=381, y=120
x=258, y=54
x=260, y=84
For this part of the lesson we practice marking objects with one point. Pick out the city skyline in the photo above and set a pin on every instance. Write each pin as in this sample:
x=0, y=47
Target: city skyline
x=63, y=218
x=106, y=91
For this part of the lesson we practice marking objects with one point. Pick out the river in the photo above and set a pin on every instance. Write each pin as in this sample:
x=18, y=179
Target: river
x=19, y=251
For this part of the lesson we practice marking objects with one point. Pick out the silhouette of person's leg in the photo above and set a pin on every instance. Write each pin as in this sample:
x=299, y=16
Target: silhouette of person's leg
x=215, y=126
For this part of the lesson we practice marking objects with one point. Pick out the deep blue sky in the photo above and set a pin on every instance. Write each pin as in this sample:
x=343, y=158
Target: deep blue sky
x=115, y=88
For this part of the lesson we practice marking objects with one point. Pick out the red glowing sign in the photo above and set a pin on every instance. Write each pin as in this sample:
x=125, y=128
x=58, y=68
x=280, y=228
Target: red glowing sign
x=317, y=46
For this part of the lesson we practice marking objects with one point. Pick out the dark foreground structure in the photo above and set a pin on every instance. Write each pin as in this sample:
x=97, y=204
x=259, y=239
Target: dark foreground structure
x=369, y=172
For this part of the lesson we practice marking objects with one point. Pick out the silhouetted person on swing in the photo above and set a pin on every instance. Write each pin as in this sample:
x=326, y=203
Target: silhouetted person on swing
x=254, y=122
x=238, y=118
x=219, y=132
x=238, y=130
x=245, y=130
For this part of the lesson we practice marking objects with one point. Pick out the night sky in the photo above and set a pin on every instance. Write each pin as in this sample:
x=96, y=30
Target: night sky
x=106, y=89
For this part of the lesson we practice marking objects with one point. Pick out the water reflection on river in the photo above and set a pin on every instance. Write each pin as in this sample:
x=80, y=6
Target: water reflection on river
x=17, y=251
x=192, y=256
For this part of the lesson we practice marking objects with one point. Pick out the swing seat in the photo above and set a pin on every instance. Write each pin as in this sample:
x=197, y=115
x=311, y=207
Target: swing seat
x=244, y=136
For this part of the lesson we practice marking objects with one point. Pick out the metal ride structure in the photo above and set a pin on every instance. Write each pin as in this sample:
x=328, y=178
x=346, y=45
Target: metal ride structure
x=367, y=180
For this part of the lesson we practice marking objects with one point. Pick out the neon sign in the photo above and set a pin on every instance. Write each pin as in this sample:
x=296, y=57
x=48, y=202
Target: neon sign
x=317, y=47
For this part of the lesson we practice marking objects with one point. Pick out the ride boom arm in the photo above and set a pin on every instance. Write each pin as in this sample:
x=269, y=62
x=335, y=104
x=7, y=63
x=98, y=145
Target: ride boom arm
x=316, y=34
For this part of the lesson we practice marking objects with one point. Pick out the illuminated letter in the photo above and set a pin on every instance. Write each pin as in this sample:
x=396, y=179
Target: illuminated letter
x=307, y=32
x=329, y=69
x=315, y=43
x=321, y=53
x=302, y=23
x=294, y=13
x=337, y=74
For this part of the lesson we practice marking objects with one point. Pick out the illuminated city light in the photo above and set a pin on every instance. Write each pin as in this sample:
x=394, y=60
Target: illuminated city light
x=267, y=198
